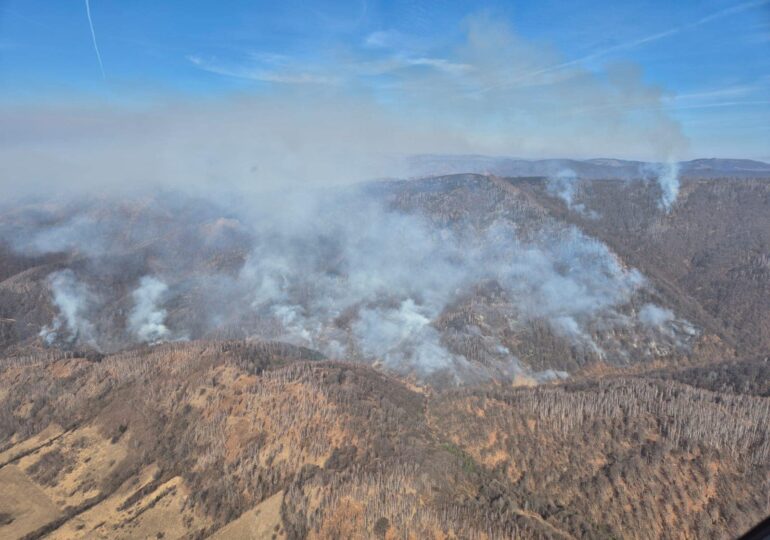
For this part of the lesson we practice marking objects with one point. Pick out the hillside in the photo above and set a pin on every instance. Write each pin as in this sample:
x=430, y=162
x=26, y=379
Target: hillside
x=587, y=169
x=461, y=356
x=188, y=440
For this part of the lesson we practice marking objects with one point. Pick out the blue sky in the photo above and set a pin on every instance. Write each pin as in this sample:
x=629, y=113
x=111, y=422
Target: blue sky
x=697, y=72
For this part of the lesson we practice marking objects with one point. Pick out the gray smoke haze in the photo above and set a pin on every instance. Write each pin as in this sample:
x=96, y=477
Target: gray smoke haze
x=338, y=271
x=81, y=233
x=505, y=99
x=563, y=185
x=282, y=251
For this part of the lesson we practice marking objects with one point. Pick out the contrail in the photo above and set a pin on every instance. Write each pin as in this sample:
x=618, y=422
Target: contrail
x=93, y=37
x=738, y=8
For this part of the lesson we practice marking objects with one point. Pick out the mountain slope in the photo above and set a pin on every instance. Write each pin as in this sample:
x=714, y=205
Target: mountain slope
x=183, y=440
x=462, y=356
x=587, y=169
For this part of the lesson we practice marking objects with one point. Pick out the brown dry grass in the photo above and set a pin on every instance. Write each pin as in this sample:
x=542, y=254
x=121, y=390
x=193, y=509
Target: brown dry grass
x=24, y=507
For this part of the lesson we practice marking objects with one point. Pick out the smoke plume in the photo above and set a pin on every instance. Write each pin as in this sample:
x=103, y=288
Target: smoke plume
x=342, y=271
x=147, y=318
x=72, y=299
x=668, y=180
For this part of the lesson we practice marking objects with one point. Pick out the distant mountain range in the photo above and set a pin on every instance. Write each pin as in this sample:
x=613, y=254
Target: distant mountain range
x=590, y=169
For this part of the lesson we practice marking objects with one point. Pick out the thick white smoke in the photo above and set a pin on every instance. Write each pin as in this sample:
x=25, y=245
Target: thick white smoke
x=664, y=321
x=668, y=180
x=390, y=276
x=147, y=318
x=345, y=272
x=72, y=299
x=402, y=337
x=656, y=316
